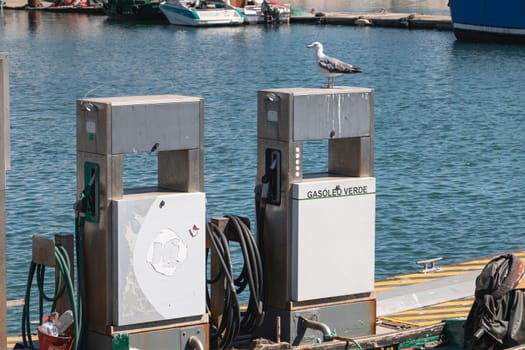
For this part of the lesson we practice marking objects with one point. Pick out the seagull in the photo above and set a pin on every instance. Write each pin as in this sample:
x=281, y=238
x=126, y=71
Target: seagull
x=331, y=67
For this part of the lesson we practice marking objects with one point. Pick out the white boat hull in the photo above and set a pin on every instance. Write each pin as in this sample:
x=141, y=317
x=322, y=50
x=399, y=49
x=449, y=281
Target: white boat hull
x=179, y=15
x=252, y=15
x=255, y=15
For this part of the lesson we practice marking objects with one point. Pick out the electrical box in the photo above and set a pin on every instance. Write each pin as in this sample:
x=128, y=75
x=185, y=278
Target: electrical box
x=333, y=235
x=159, y=257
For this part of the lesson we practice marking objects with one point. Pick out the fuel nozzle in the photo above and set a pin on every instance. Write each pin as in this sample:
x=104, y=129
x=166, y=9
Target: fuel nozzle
x=88, y=203
x=271, y=180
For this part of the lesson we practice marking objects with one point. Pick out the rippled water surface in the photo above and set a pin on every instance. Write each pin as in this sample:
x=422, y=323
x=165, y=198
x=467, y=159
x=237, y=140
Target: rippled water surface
x=449, y=124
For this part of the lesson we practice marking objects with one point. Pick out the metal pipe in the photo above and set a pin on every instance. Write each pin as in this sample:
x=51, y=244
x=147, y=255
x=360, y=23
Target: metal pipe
x=195, y=343
x=347, y=339
x=278, y=325
x=327, y=333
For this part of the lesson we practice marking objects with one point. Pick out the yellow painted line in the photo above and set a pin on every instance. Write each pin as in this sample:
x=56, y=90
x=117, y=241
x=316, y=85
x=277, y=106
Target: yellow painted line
x=461, y=268
x=392, y=319
x=428, y=323
x=382, y=289
x=434, y=310
x=12, y=340
x=478, y=262
x=421, y=323
x=428, y=317
x=483, y=262
x=396, y=282
x=429, y=275
x=456, y=303
x=434, y=313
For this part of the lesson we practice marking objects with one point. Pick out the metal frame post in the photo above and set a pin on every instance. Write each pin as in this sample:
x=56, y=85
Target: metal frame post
x=4, y=165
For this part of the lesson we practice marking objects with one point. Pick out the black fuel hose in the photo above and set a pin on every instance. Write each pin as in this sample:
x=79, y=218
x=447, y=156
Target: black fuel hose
x=233, y=323
x=223, y=333
x=251, y=276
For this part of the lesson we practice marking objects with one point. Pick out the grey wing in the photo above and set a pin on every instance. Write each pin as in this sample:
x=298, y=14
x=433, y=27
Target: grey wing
x=334, y=65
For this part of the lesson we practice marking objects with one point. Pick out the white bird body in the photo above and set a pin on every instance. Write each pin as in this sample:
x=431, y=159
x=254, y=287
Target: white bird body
x=330, y=66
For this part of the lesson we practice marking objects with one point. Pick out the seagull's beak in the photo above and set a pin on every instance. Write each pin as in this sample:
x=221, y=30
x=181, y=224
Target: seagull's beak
x=310, y=46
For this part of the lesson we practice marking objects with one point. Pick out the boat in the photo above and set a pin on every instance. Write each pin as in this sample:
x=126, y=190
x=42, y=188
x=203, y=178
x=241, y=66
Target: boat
x=137, y=10
x=265, y=11
x=200, y=13
x=488, y=20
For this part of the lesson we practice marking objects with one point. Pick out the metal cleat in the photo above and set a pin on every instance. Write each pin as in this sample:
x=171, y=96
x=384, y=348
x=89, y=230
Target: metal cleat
x=429, y=265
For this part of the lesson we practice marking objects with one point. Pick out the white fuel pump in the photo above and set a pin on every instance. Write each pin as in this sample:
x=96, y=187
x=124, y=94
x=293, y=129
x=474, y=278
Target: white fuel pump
x=317, y=231
x=145, y=272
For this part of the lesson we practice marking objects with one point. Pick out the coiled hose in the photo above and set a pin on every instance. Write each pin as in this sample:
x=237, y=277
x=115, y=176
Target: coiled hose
x=63, y=279
x=233, y=323
x=64, y=265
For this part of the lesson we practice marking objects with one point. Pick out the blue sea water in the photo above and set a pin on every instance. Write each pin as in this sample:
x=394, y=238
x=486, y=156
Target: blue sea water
x=449, y=124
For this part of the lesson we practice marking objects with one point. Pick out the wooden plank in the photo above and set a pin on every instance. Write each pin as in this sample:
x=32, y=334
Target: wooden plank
x=367, y=342
x=15, y=303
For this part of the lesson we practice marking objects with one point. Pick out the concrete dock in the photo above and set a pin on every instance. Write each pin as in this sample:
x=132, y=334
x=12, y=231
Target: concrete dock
x=45, y=5
x=423, y=299
x=418, y=300
x=380, y=19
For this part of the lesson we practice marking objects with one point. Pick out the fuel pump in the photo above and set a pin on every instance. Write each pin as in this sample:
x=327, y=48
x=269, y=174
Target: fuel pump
x=144, y=249
x=316, y=231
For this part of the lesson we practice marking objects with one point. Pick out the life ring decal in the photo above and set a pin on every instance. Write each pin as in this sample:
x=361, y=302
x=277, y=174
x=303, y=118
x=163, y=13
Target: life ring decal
x=167, y=252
